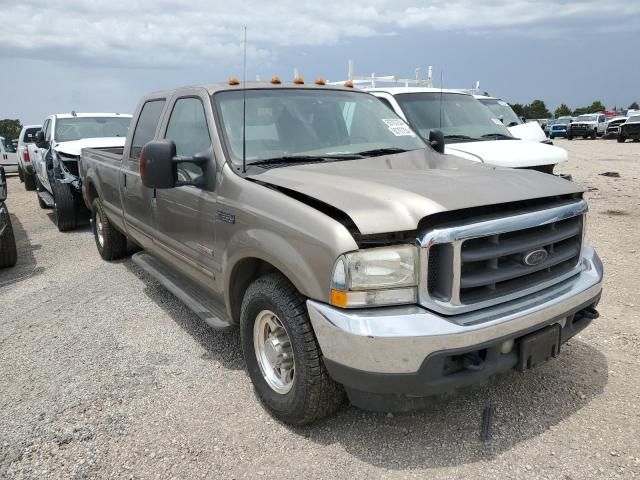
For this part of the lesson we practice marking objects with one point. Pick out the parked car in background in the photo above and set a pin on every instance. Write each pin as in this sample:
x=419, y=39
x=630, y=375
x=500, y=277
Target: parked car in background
x=630, y=129
x=25, y=165
x=531, y=131
x=546, y=127
x=352, y=256
x=613, y=126
x=8, y=157
x=470, y=130
x=559, y=127
x=8, y=250
x=592, y=125
x=57, y=152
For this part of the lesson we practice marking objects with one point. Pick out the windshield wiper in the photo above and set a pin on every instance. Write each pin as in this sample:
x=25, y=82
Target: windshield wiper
x=461, y=137
x=380, y=151
x=498, y=136
x=289, y=159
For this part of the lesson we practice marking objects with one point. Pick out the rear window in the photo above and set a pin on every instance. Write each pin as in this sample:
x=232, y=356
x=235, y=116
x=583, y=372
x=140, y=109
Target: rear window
x=147, y=125
x=29, y=135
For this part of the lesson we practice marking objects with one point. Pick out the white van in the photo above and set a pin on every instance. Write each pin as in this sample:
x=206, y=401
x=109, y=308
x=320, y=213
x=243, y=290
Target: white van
x=470, y=129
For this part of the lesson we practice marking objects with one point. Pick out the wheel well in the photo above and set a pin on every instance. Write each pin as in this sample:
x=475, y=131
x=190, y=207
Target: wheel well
x=244, y=273
x=92, y=193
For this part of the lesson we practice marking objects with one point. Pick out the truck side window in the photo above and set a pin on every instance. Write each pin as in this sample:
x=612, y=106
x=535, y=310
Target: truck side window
x=146, y=126
x=188, y=129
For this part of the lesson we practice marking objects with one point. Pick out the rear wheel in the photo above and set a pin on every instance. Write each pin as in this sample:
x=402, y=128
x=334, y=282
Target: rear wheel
x=111, y=243
x=29, y=181
x=283, y=357
x=8, y=250
x=64, y=206
x=20, y=174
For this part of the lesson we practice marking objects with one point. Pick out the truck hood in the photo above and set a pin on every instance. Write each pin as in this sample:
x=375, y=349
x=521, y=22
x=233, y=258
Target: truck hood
x=531, y=132
x=392, y=193
x=74, y=147
x=509, y=153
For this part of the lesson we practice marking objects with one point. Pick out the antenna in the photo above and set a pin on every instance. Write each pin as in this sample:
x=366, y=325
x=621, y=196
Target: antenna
x=244, y=103
x=441, y=76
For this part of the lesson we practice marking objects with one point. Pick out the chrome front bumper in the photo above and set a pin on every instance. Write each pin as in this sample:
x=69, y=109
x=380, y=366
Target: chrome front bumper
x=398, y=339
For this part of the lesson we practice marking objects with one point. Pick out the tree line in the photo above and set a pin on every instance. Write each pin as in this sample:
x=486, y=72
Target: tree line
x=538, y=109
x=10, y=128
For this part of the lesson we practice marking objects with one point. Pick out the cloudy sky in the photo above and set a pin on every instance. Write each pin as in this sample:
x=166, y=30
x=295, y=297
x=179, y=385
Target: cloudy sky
x=102, y=56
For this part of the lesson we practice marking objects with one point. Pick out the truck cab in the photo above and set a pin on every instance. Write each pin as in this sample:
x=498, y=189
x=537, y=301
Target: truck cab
x=352, y=256
x=470, y=130
x=531, y=131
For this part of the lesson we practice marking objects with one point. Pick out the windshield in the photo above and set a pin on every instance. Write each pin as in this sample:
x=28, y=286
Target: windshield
x=77, y=128
x=8, y=146
x=634, y=119
x=562, y=121
x=462, y=118
x=502, y=111
x=587, y=118
x=310, y=123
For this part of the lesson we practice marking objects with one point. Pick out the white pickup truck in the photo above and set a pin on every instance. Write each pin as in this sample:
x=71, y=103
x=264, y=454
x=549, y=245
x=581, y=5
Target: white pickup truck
x=470, y=130
x=531, y=131
x=56, y=152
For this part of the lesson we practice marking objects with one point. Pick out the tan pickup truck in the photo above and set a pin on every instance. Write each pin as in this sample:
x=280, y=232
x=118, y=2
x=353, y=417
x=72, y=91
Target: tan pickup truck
x=351, y=254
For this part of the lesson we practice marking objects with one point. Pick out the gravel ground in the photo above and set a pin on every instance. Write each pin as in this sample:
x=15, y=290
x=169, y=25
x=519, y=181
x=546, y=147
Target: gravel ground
x=104, y=374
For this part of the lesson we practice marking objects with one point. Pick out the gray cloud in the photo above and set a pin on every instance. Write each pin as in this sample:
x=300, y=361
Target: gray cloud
x=170, y=33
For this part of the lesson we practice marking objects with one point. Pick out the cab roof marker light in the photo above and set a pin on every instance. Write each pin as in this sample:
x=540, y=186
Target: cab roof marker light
x=298, y=80
x=233, y=81
x=348, y=84
x=276, y=80
x=320, y=81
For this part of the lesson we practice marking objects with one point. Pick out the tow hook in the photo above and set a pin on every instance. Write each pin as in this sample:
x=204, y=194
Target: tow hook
x=589, y=312
x=472, y=361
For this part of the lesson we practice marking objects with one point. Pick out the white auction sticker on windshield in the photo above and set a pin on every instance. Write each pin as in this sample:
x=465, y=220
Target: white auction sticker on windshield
x=398, y=127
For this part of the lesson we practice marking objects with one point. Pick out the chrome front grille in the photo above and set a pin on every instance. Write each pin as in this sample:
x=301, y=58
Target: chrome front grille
x=479, y=264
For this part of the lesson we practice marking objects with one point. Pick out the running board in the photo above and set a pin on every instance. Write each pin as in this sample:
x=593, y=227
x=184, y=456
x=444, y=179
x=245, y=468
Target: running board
x=193, y=296
x=46, y=198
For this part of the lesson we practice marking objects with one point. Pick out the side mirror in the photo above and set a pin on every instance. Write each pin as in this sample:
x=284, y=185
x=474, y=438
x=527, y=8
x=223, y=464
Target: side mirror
x=501, y=118
x=436, y=140
x=40, y=143
x=524, y=120
x=159, y=165
x=3, y=185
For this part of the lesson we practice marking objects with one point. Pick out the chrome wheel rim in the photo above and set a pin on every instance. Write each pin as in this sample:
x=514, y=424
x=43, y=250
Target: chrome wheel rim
x=99, y=229
x=274, y=352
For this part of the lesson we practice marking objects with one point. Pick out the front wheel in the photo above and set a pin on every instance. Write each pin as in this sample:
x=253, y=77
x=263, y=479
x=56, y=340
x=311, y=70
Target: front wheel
x=64, y=206
x=621, y=139
x=551, y=137
x=283, y=357
x=594, y=135
x=569, y=137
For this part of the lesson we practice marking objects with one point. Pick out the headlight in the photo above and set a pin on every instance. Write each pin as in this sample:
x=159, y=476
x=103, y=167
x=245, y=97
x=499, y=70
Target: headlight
x=375, y=276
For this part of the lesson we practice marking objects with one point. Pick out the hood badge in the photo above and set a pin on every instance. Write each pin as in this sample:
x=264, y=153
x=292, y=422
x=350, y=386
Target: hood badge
x=535, y=257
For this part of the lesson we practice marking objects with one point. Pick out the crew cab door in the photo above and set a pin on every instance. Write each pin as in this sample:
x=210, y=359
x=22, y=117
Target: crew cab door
x=185, y=215
x=138, y=201
x=602, y=124
x=43, y=153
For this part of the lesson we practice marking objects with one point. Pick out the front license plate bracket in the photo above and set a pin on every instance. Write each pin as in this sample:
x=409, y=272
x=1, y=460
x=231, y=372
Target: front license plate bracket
x=538, y=347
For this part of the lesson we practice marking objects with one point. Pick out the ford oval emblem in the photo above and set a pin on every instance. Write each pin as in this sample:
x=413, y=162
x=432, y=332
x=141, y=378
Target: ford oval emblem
x=535, y=257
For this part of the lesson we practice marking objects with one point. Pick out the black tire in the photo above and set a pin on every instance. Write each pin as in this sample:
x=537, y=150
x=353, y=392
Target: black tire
x=594, y=135
x=8, y=249
x=569, y=137
x=621, y=139
x=313, y=394
x=39, y=188
x=64, y=206
x=20, y=174
x=29, y=181
x=551, y=137
x=114, y=243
